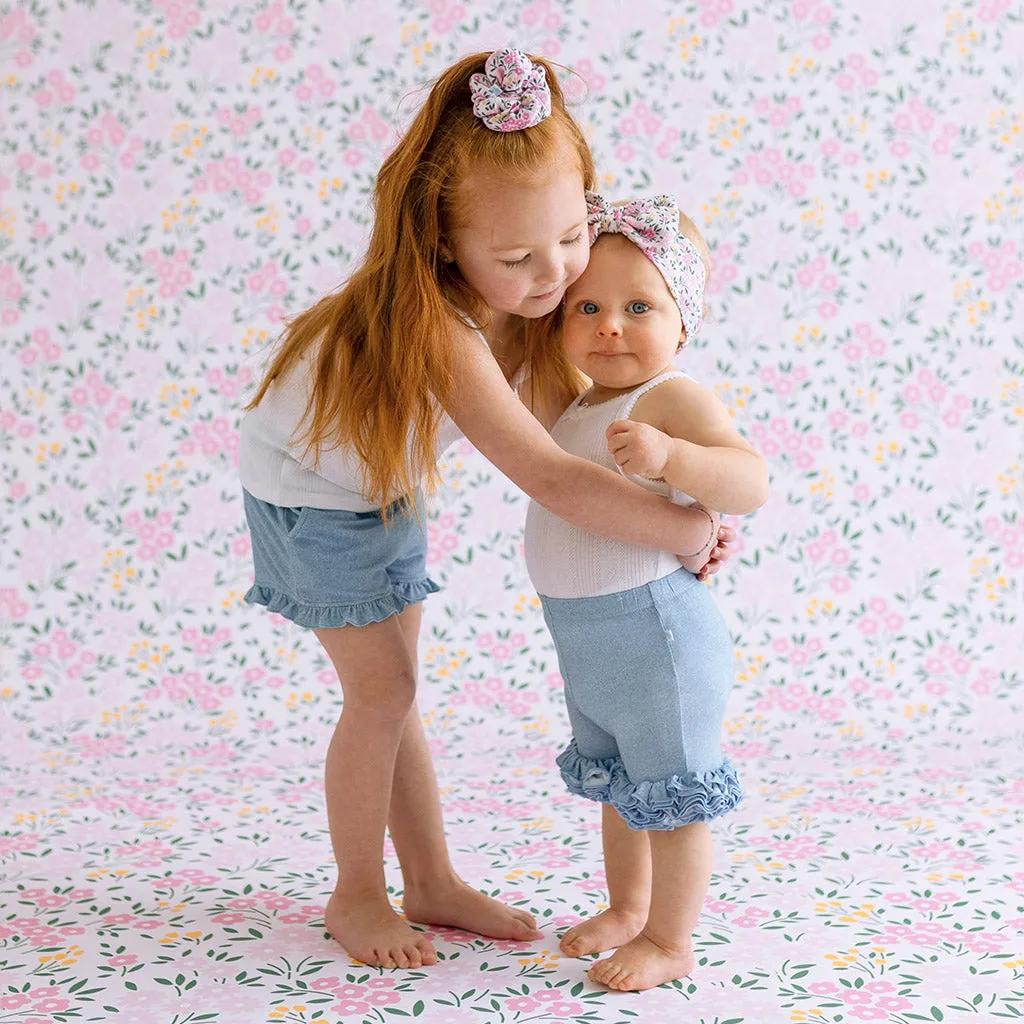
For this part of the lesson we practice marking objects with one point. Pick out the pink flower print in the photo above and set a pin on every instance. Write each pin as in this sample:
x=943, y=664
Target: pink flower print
x=345, y=1007
x=856, y=997
x=879, y=986
x=823, y=988
x=894, y=1004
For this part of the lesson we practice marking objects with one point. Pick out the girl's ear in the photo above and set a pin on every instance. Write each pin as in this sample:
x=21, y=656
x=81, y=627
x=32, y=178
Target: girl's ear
x=445, y=253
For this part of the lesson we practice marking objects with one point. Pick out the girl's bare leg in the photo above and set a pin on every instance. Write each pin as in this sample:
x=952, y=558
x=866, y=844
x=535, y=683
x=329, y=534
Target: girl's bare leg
x=627, y=866
x=663, y=951
x=434, y=893
x=378, y=680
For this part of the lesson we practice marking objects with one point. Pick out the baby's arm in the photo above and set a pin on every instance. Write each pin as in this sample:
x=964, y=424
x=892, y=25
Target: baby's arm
x=682, y=433
x=581, y=492
x=549, y=406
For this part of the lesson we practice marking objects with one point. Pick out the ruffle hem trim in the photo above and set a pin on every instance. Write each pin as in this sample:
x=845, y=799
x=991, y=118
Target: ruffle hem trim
x=331, y=616
x=660, y=806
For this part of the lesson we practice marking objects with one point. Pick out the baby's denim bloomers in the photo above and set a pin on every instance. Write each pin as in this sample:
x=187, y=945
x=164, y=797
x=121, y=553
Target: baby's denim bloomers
x=647, y=672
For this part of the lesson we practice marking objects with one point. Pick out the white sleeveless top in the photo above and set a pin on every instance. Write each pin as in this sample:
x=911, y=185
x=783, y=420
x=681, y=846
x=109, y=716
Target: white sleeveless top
x=566, y=561
x=271, y=467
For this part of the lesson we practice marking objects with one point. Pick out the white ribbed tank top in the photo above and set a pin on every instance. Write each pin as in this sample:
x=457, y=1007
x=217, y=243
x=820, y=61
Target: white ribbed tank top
x=273, y=468
x=566, y=561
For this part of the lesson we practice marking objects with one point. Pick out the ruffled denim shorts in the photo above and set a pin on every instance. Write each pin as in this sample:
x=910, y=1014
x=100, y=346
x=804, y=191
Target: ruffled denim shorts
x=648, y=673
x=324, y=568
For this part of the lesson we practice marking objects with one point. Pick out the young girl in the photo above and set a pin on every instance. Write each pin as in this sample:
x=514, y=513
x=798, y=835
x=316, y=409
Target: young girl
x=480, y=222
x=646, y=657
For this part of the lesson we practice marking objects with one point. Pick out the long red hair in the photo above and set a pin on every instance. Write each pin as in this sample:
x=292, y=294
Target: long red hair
x=385, y=357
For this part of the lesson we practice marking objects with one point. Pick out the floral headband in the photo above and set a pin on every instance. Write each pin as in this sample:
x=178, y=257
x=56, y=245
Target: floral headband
x=512, y=93
x=652, y=225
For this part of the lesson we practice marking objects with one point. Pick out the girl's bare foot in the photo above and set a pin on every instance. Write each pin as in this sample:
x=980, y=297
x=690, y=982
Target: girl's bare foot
x=642, y=964
x=456, y=905
x=369, y=930
x=608, y=930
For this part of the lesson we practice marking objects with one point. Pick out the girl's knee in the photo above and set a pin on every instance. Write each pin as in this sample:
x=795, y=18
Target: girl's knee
x=382, y=696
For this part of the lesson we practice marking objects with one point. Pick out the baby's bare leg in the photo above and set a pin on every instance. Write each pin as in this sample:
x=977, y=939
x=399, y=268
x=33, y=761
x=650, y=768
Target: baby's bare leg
x=663, y=951
x=627, y=865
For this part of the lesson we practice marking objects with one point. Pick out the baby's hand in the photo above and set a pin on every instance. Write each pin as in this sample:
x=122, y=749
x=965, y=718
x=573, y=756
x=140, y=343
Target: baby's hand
x=639, y=448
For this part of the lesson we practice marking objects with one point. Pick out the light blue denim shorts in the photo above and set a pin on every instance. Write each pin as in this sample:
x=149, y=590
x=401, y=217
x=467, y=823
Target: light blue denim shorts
x=324, y=568
x=648, y=673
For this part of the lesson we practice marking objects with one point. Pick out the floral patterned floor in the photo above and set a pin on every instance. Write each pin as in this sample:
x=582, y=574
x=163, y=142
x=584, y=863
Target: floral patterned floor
x=176, y=175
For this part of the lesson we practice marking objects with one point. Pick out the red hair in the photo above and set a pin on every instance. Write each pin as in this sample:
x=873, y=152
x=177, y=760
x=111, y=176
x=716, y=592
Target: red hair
x=386, y=353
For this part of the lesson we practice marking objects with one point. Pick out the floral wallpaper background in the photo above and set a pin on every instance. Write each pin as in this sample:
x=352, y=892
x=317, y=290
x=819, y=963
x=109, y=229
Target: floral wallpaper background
x=176, y=175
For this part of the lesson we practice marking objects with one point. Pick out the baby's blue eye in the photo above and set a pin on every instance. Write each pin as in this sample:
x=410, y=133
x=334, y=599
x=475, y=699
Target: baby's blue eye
x=638, y=307
x=588, y=307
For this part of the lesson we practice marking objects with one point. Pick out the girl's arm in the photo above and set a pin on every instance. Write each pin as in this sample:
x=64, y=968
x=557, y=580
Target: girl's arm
x=683, y=434
x=487, y=411
x=546, y=406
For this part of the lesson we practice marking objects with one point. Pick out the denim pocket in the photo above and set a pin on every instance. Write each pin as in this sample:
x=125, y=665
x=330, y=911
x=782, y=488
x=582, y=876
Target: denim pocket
x=296, y=518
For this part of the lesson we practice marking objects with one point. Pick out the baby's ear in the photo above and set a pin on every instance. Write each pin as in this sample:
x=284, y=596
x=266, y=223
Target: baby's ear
x=682, y=341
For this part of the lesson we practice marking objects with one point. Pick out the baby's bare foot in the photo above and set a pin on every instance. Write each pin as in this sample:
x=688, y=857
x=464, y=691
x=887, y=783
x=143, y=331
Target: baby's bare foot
x=457, y=905
x=370, y=931
x=608, y=930
x=642, y=964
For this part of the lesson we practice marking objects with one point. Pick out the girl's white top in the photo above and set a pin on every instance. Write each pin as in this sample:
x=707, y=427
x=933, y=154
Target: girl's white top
x=566, y=561
x=272, y=466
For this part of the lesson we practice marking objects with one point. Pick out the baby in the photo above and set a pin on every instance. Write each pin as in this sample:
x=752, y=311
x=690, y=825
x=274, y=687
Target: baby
x=646, y=657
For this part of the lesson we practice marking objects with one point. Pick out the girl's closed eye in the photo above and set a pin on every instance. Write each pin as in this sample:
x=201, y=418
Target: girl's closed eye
x=578, y=237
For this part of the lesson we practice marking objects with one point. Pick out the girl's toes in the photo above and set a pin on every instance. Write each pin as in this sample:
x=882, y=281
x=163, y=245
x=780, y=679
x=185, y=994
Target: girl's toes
x=412, y=956
x=428, y=955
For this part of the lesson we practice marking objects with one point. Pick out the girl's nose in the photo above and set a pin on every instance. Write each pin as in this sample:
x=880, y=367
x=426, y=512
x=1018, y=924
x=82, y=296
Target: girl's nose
x=608, y=325
x=551, y=272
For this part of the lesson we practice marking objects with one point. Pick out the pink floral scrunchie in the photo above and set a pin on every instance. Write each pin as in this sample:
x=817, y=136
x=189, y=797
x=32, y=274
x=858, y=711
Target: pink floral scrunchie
x=512, y=93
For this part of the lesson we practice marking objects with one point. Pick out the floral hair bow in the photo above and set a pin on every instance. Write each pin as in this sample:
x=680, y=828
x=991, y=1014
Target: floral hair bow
x=512, y=93
x=652, y=225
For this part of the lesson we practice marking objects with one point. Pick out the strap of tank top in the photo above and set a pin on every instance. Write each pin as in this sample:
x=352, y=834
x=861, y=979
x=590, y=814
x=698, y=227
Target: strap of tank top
x=635, y=396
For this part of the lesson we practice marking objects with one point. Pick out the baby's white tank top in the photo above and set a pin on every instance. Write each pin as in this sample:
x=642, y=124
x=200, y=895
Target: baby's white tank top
x=566, y=561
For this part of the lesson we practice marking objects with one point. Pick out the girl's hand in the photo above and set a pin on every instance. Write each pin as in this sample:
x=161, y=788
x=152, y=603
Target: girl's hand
x=639, y=448
x=720, y=554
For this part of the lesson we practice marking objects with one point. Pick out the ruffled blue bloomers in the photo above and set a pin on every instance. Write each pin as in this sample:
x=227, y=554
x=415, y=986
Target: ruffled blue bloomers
x=652, y=806
x=648, y=673
x=323, y=568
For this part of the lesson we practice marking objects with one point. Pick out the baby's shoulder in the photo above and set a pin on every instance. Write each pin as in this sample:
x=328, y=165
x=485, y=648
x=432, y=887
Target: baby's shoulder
x=674, y=404
x=669, y=394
